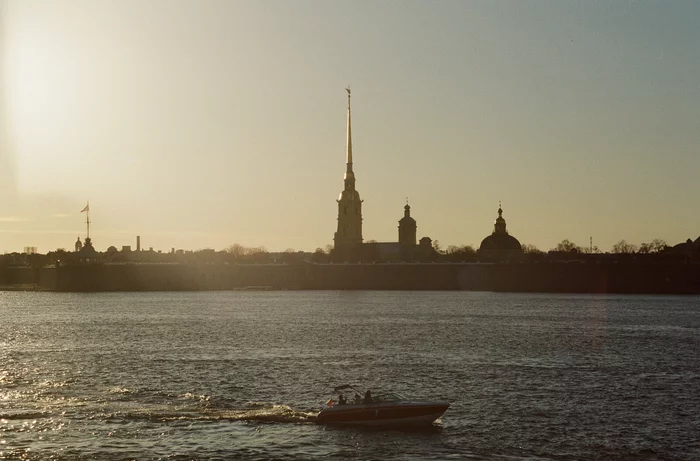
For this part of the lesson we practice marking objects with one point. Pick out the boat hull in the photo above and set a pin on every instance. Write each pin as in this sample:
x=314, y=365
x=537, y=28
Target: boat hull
x=399, y=414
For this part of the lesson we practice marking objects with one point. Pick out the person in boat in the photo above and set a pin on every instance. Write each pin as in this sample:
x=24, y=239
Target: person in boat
x=368, y=397
x=342, y=400
x=358, y=399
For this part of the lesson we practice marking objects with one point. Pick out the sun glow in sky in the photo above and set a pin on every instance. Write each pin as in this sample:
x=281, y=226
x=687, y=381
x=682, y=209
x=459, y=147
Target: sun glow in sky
x=200, y=124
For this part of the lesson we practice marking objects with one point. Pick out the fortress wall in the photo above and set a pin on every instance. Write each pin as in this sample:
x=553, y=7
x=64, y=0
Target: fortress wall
x=18, y=275
x=559, y=277
x=575, y=277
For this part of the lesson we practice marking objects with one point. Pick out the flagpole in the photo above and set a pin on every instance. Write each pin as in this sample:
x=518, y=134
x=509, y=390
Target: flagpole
x=88, y=220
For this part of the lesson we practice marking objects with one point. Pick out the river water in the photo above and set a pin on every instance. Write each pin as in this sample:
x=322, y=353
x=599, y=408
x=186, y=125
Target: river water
x=240, y=375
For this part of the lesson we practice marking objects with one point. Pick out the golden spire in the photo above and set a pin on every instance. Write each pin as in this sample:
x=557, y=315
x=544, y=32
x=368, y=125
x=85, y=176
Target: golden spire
x=349, y=147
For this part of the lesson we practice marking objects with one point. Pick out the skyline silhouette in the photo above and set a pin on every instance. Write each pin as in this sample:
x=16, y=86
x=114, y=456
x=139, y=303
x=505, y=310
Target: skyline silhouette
x=222, y=123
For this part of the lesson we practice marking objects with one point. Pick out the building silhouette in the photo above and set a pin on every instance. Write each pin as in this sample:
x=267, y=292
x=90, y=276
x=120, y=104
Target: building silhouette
x=348, y=237
x=405, y=249
x=500, y=244
x=689, y=249
x=407, y=228
x=348, y=241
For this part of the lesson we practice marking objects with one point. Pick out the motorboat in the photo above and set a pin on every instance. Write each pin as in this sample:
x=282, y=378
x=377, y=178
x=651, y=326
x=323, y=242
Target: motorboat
x=380, y=408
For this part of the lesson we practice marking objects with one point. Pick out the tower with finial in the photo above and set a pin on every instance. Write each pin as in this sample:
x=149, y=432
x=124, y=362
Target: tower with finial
x=348, y=236
x=407, y=228
x=499, y=227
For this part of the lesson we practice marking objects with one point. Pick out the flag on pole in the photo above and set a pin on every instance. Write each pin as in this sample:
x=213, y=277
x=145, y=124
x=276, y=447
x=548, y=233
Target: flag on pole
x=87, y=208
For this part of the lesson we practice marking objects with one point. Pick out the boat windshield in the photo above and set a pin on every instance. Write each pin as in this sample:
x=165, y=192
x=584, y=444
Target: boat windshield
x=388, y=397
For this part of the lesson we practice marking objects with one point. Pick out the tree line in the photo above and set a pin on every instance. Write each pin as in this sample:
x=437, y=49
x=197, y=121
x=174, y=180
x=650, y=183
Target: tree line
x=621, y=247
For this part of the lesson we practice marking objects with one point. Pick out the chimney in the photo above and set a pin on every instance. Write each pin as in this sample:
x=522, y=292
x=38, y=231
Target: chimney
x=138, y=243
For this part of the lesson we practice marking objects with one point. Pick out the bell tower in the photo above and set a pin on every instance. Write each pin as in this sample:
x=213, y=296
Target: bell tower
x=348, y=237
x=407, y=228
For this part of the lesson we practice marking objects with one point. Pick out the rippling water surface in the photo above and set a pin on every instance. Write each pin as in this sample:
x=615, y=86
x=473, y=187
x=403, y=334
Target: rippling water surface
x=240, y=375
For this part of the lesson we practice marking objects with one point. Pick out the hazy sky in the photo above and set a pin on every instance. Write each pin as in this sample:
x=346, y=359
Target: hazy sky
x=203, y=123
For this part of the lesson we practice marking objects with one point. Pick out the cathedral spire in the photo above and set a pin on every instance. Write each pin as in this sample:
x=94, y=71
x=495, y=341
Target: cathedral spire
x=348, y=238
x=349, y=147
x=349, y=174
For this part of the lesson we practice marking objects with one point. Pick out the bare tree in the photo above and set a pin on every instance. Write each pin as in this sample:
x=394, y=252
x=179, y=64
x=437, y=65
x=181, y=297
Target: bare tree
x=466, y=250
x=252, y=251
x=623, y=247
x=319, y=256
x=566, y=245
x=530, y=249
x=658, y=245
x=236, y=250
x=451, y=249
x=459, y=253
x=655, y=246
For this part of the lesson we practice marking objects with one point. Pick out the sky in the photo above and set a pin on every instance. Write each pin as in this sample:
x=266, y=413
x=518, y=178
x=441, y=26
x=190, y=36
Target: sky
x=202, y=124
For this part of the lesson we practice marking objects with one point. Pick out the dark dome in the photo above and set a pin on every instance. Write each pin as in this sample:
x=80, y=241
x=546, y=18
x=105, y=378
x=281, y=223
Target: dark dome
x=500, y=242
x=407, y=219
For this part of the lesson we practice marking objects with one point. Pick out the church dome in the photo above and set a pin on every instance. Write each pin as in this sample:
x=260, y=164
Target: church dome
x=500, y=242
x=500, y=239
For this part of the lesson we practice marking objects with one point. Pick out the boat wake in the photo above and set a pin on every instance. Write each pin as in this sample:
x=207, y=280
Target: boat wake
x=273, y=414
x=260, y=412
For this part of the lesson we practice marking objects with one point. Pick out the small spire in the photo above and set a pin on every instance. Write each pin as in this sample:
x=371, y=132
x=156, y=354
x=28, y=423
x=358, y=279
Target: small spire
x=349, y=145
